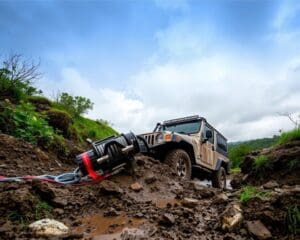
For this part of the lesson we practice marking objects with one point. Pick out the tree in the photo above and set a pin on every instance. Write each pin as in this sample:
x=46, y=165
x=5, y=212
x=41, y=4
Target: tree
x=294, y=120
x=17, y=77
x=75, y=105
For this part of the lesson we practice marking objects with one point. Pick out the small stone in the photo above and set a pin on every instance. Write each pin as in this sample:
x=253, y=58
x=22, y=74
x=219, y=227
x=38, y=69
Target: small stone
x=110, y=188
x=220, y=198
x=136, y=187
x=139, y=215
x=190, y=202
x=271, y=185
x=133, y=234
x=231, y=217
x=167, y=219
x=59, y=202
x=58, y=211
x=258, y=229
x=48, y=228
x=150, y=178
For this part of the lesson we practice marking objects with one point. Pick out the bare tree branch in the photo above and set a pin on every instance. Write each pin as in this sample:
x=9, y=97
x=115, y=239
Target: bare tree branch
x=290, y=117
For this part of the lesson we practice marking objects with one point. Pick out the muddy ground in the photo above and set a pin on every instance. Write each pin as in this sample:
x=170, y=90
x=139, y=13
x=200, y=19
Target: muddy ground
x=158, y=207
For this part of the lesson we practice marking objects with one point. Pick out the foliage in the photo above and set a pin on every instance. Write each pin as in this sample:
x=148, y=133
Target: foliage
x=58, y=146
x=293, y=220
x=39, y=100
x=293, y=164
x=262, y=162
x=289, y=136
x=15, y=216
x=237, y=154
x=17, y=77
x=27, y=124
x=249, y=192
x=87, y=128
x=75, y=105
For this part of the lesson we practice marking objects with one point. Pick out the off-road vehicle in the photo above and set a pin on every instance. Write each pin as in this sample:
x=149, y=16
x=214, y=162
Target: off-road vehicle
x=192, y=147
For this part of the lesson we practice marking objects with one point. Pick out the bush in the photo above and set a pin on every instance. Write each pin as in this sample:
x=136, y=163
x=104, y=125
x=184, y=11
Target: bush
x=237, y=154
x=59, y=120
x=25, y=123
x=292, y=220
x=289, y=136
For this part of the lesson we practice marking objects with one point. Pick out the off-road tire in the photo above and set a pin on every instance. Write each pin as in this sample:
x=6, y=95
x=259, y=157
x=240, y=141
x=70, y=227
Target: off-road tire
x=218, y=179
x=175, y=159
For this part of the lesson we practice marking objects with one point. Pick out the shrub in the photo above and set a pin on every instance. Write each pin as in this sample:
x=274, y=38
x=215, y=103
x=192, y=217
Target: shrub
x=59, y=120
x=237, y=154
x=292, y=220
x=289, y=136
x=25, y=123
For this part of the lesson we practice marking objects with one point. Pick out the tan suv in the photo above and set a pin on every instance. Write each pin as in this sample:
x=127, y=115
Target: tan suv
x=192, y=147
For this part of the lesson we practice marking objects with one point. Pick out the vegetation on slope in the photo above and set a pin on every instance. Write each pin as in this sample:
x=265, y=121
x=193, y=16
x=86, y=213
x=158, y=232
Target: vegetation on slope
x=26, y=114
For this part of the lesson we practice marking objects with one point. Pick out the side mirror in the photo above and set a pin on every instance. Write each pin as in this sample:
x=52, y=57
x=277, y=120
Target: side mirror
x=208, y=134
x=88, y=140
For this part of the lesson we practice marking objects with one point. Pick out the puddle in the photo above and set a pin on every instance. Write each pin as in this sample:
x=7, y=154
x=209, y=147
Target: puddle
x=107, y=227
x=207, y=183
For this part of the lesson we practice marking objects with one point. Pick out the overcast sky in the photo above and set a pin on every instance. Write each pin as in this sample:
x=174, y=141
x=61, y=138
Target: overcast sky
x=236, y=63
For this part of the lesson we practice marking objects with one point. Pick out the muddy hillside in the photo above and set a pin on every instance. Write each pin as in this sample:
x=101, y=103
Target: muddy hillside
x=152, y=205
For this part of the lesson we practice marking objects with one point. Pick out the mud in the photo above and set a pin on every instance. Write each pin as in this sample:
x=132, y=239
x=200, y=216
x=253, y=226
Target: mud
x=164, y=208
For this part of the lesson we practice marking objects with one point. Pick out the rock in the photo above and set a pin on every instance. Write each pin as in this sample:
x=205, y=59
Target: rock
x=111, y=212
x=48, y=228
x=133, y=234
x=59, y=202
x=167, y=219
x=136, y=187
x=150, y=178
x=271, y=185
x=231, y=217
x=110, y=188
x=58, y=211
x=258, y=229
x=44, y=189
x=190, y=202
x=220, y=198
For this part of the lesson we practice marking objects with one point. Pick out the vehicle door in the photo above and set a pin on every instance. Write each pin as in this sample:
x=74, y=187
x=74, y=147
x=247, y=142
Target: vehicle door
x=207, y=145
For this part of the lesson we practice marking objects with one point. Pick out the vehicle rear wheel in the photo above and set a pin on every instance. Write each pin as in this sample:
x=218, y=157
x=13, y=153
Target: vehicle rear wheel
x=219, y=178
x=180, y=161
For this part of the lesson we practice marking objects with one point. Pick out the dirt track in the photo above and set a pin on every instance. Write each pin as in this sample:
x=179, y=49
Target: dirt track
x=163, y=208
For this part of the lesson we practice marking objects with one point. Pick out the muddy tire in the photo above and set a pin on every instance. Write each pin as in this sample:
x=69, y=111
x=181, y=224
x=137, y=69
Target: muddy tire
x=218, y=179
x=180, y=161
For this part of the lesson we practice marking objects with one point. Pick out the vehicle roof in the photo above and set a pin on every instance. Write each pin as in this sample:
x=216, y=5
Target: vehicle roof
x=188, y=119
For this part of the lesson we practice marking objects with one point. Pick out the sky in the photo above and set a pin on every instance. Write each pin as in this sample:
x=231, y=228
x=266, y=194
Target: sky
x=236, y=63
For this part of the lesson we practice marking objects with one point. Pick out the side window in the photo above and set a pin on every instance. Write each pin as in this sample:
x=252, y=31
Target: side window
x=207, y=127
x=221, y=143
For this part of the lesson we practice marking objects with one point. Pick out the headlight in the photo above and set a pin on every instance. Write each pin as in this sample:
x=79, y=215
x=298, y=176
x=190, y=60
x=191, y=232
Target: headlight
x=160, y=138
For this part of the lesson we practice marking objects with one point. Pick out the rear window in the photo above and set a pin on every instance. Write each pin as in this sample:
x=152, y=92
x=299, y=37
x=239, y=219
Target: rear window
x=221, y=144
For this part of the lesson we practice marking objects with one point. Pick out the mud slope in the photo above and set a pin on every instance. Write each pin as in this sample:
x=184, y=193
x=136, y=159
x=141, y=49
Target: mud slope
x=153, y=205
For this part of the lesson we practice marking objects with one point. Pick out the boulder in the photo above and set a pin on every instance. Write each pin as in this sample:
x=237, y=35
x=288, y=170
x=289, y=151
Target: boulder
x=232, y=217
x=48, y=228
x=258, y=229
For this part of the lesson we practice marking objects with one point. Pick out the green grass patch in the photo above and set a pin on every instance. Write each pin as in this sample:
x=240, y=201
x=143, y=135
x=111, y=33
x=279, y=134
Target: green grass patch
x=293, y=220
x=42, y=209
x=235, y=170
x=249, y=192
x=96, y=130
x=289, y=136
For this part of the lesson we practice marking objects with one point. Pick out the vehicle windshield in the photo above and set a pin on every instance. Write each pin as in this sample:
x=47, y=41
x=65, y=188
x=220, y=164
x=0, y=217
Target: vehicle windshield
x=186, y=127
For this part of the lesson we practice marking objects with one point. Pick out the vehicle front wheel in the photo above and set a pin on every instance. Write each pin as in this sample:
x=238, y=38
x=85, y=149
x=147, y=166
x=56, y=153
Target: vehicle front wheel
x=219, y=178
x=180, y=161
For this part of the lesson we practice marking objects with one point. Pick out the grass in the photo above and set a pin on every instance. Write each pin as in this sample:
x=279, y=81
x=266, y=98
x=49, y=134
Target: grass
x=96, y=130
x=293, y=220
x=235, y=170
x=42, y=209
x=249, y=192
x=289, y=136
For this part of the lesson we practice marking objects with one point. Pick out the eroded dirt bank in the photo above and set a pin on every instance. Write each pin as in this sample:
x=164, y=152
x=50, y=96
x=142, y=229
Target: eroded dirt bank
x=158, y=207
